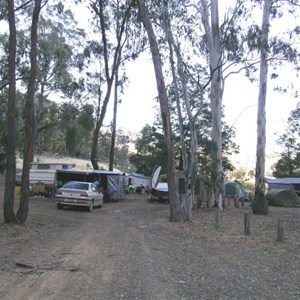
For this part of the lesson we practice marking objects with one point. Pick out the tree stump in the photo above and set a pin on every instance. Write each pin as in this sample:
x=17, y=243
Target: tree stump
x=186, y=206
x=280, y=230
x=217, y=218
x=247, y=223
x=236, y=202
x=243, y=201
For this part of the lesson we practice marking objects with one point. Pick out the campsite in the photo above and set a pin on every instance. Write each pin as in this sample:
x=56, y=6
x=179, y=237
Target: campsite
x=128, y=249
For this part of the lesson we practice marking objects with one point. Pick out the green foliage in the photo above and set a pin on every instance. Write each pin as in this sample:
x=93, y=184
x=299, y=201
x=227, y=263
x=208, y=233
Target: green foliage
x=71, y=140
x=287, y=167
x=150, y=145
x=150, y=151
x=289, y=163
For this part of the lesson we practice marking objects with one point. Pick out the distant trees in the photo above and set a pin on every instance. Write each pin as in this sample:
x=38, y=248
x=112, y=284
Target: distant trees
x=289, y=163
x=150, y=151
x=193, y=54
x=111, y=23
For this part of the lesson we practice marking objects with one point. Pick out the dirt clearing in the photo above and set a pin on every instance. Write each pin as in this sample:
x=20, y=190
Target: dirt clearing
x=129, y=250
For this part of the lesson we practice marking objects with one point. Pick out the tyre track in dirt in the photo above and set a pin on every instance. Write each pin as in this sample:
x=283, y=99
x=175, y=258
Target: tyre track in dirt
x=109, y=248
x=129, y=250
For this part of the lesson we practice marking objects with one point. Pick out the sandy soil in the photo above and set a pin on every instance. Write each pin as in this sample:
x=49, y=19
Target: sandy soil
x=129, y=250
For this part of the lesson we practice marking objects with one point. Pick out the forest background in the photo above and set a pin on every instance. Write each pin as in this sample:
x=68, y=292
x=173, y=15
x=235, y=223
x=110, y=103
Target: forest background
x=239, y=99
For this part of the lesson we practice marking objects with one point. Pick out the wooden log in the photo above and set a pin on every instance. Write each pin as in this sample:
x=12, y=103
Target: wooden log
x=236, y=202
x=243, y=202
x=280, y=230
x=217, y=218
x=247, y=223
x=186, y=206
x=228, y=200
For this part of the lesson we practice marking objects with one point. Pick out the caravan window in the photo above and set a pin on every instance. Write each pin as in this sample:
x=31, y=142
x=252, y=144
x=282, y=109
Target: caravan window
x=43, y=166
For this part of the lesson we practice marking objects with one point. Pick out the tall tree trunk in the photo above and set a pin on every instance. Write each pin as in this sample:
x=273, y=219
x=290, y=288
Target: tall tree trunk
x=215, y=59
x=190, y=170
x=260, y=204
x=38, y=118
x=175, y=210
x=28, y=152
x=178, y=106
x=99, y=123
x=171, y=43
x=8, y=205
x=108, y=76
x=114, y=124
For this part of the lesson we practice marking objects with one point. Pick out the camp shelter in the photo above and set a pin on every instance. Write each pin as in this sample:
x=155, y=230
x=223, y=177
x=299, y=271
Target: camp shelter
x=137, y=179
x=180, y=178
x=284, y=184
x=113, y=183
x=159, y=182
x=233, y=189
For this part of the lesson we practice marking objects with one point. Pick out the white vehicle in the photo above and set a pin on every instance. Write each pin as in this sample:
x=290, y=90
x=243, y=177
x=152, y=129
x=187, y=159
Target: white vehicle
x=45, y=173
x=78, y=193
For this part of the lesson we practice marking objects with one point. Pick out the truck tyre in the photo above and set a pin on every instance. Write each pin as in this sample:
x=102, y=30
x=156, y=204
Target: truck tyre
x=91, y=206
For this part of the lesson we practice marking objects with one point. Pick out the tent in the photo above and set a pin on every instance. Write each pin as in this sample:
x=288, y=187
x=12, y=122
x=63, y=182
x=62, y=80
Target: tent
x=113, y=183
x=159, y=190
x=138, y=180
x=233, y=189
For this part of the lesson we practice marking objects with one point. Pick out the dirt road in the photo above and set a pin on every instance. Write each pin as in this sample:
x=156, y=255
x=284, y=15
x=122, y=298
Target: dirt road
x=129, y=250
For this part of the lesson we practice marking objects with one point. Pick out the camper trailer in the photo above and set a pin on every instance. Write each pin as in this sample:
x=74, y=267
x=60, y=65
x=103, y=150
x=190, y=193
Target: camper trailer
x=42, y=176
x=159, y=185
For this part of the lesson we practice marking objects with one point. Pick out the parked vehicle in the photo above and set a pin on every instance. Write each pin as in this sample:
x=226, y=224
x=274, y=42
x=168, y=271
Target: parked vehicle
x=19, y=178
x=78, y=193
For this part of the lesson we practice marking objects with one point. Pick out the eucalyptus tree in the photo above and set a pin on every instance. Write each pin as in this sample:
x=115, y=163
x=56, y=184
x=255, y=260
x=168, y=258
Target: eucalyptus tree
x=166, y=25
x=118, y=89
x=8, y=204
x=260, y=203
x=190, y=169
x=111, y=23
x=200, y=71
x=275, y=50
x=59, y=43
x=212, y=30
x=28, y=152
x=175, y=211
